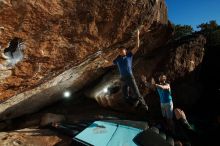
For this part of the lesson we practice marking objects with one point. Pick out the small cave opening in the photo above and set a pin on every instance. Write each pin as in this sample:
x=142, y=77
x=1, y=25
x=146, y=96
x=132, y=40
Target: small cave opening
x=14, y=52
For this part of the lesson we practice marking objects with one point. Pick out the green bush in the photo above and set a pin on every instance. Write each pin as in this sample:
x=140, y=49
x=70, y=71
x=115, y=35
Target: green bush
x=182, y=30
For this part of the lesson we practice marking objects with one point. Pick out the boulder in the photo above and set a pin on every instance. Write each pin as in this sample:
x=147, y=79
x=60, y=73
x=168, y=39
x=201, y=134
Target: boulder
x=65, y=44
x=49, y=118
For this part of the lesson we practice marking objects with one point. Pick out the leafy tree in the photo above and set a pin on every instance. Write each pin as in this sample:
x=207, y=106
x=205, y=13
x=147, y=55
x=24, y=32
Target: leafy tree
x=207, y=27
x=212, y=32
x=182, y=30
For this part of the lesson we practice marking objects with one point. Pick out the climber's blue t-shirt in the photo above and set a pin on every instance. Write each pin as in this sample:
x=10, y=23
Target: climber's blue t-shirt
x=165, y=95
x=124, y=64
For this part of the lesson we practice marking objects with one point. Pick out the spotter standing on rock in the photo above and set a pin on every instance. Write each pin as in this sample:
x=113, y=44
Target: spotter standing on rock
x=166, y=101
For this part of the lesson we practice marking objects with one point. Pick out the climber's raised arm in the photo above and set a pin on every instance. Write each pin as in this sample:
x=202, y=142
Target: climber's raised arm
x=137, y=44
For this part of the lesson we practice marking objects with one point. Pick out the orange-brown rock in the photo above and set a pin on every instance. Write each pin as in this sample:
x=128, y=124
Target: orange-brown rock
x=65, y=43
x=34, y=137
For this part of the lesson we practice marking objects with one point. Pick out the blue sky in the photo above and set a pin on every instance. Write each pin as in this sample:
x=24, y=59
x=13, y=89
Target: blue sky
x=193, y=12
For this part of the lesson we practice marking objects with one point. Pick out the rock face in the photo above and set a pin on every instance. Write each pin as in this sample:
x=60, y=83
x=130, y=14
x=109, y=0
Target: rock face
x=65, y=43
x=182, y=66
x=34, y=137
x=51, y=118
